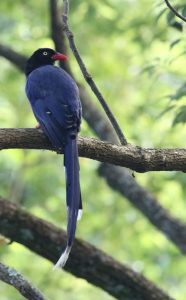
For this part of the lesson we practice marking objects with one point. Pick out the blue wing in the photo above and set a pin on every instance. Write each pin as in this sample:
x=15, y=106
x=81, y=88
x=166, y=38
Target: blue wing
x=54, y=98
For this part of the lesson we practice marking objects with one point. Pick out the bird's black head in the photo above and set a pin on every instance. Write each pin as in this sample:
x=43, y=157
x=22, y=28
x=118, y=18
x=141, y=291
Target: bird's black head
x=42, y=57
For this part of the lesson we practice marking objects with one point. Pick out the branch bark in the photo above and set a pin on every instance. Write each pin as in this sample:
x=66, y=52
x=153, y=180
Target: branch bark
x=135, y=158
x=85, y=260
x=15, y=279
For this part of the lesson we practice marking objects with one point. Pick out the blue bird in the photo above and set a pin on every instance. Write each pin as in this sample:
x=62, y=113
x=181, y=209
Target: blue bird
x=54, y=98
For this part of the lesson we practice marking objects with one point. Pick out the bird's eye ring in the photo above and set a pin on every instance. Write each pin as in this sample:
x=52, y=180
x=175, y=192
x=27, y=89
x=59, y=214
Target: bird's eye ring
x=45, y=53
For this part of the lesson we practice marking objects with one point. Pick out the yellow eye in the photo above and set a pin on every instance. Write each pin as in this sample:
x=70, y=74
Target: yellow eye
x=45, y=53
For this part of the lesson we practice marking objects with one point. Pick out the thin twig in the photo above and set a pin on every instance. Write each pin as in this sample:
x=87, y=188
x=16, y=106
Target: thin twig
x=12, y=277
x=88, y=77
x=175, y=11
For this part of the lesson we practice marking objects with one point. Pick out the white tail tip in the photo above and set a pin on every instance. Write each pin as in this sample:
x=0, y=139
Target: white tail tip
x=63, y=258
x=80, y=213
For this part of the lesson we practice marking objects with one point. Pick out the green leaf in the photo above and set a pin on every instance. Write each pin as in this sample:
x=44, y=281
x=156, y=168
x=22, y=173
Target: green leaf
x=184, y=11
x=181, y=92
x=170, y=17
x=181, y=116
x=166, y=110
x=174, y=43
x=161, y=13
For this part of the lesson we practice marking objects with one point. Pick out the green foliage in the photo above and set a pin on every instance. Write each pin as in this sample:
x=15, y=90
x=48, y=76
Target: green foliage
x=136, y=54
x=180, y=116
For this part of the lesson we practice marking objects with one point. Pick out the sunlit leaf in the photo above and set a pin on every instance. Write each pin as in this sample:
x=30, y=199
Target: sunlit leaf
x=174, y=43
x=180, y=116
x=181, y=92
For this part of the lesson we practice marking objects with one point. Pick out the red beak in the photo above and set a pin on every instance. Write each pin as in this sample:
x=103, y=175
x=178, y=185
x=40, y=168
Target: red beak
x=59, y=56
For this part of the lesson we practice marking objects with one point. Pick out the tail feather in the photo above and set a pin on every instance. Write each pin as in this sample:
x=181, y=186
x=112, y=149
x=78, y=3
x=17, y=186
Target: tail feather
x=73, y=195
x=80, y=211
x=63, y=258
x=68, y=189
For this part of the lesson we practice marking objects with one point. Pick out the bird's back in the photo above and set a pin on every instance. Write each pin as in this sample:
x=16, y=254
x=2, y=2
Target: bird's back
x=54, y=98
x=47, y=81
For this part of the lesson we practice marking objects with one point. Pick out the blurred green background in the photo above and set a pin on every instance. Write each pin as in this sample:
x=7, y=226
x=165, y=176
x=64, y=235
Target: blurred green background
x=136, y=52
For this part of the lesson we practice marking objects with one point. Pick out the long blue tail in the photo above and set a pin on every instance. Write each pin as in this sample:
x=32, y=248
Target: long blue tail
x=73, y=195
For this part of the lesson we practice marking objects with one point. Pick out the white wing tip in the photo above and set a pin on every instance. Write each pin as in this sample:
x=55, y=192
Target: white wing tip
x=63, y=259
x=80, y=213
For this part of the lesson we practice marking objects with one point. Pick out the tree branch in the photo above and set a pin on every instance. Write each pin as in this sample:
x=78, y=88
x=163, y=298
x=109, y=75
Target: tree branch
x=175, y=11
x=85, y=260
x=135, y=158
x=88, y=77
x=14, y=57
x=174, y=229
x=12, y=277
x=57, y=33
